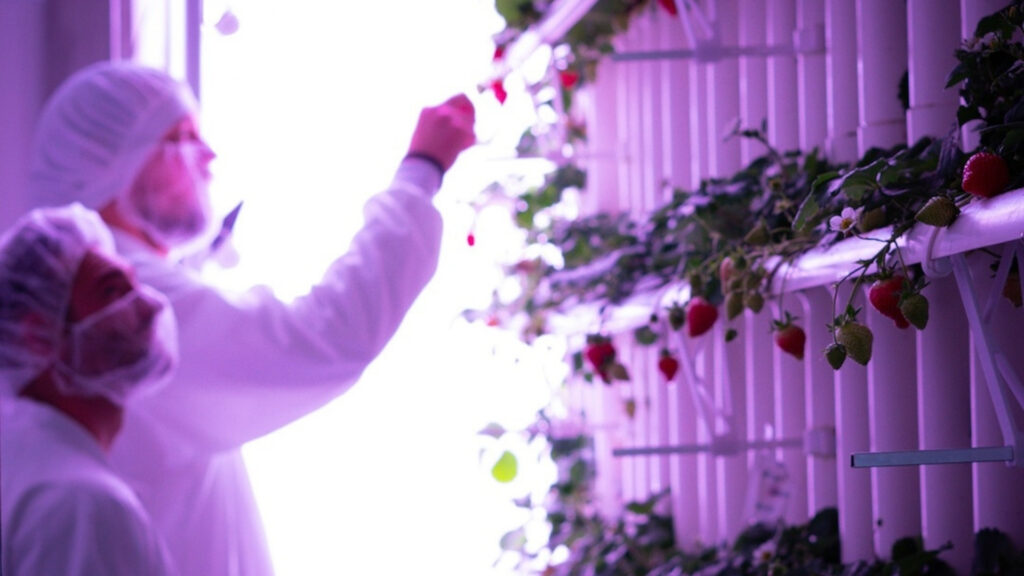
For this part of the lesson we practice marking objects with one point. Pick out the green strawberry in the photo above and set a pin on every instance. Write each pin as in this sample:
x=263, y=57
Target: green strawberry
x=676, y=316
x=733, y=304
x=754, y=301
x=856, y=339
x=915, y=309
x=836, y=355
x=940, y=211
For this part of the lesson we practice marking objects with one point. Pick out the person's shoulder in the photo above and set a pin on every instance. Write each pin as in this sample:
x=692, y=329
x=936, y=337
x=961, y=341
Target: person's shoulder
x=93, y=501
x=85, y=526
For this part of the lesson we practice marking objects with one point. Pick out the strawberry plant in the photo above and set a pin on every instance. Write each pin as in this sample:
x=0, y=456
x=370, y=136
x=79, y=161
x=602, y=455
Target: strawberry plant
x=726, y=238
x=729, y=236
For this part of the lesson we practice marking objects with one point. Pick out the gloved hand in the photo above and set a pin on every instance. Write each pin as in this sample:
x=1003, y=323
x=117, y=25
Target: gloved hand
x=444, y=131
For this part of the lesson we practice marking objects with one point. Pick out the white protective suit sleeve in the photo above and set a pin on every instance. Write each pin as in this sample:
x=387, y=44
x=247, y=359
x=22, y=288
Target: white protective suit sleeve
x=83, y=530
x=251, y=363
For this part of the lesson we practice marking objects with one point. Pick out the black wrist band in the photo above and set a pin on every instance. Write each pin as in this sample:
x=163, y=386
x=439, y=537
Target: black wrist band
x=433, y=161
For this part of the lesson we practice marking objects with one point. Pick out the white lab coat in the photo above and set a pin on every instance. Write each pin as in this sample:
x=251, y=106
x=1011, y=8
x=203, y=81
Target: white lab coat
x=251, y=364
x=64, y=511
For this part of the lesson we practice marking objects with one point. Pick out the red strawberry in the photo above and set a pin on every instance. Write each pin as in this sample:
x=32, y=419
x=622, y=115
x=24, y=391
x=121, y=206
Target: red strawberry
x=601, y=354
x=498, y=86
x=791, y=339
x=669, y=6
x=700, y=316
x=884, y=295
x=568, y=78
x=667, y=365
x=499, y=52
x=985, y=175
x=471, y=239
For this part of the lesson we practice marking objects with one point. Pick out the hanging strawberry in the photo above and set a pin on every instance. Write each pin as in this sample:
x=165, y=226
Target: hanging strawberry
x=914, y=308
x=676, y=316
x=835, y=353
x=700, y=316
x=856, y=340
x=884, y=295
x=499, y=52
x=667, y=364
x=471, y=239
x=498, y=87
x=568, y=78
x=600, y=353
x=985, y=175
x=790, y=337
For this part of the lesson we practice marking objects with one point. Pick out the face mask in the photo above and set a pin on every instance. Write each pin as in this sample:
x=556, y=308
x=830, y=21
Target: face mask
x=169, y=199
x=127, y=349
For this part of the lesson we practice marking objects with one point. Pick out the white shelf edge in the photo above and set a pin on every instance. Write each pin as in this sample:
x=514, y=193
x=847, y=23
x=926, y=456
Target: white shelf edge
x=983, y=223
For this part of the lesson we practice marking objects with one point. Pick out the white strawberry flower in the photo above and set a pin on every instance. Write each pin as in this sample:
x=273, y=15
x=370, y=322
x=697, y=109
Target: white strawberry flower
x=846, y=221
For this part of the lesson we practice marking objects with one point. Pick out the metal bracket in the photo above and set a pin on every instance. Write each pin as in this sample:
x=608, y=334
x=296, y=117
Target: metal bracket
x=710, y=53
x=820, y=442
x=1004, y=385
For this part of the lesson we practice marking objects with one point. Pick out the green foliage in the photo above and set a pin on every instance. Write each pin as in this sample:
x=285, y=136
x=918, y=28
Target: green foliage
x=990, y=72
x=775, y=209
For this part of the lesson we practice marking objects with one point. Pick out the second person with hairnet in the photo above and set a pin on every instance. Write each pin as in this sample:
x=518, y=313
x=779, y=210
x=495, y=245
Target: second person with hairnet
x=124, y=140
x=79, y=340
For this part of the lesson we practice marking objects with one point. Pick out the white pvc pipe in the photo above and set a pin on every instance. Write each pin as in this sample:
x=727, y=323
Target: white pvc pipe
x=819, y=395
x=892, y=401
x=856, y=524
x=707, y=472
x=809, y=40
x=699, y=157
x=932, y=37
x=783, y=111
x=603, y=150
x=790, y=417
x=881, y=62
x=683, y=429
x=752, y=75
x=730, y=392
x=841, y=80
x=944, y=422
x=629, y=124
x=760, y=394
x=676, y=105
x=723, y=93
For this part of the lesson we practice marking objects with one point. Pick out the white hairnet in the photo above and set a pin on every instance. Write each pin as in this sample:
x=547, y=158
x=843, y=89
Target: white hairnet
x=98, y=129
x=39, y=257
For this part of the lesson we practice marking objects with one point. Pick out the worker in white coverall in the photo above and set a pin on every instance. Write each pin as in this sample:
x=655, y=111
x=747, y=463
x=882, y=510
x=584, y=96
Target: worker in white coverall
x=79, y=340
x=125, y=140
